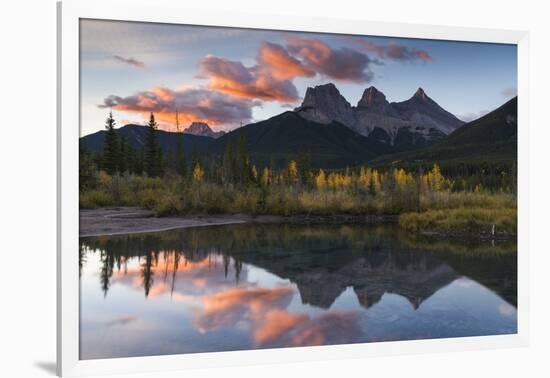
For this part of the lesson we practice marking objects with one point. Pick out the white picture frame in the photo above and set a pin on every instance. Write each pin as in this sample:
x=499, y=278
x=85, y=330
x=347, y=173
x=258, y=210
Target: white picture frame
x=164, y=11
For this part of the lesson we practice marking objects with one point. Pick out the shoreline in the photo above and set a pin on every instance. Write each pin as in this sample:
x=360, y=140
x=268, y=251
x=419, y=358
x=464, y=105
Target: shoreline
x=132, y=220
x=110, y=221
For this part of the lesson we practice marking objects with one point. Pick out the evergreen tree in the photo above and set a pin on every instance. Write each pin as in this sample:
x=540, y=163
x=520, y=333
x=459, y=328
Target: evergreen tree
x=87, y=169
x=304, y=166
x=152, y=153
x=194, y=157
x=110, y=146
x=228, y=162
x=181, y=164
x=243, y=167
x=123, y=155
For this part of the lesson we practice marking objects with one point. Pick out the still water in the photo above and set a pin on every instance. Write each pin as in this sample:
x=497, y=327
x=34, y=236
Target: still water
x=238, y=287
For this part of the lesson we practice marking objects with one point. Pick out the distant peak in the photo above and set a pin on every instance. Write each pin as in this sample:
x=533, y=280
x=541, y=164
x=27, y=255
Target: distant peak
x=199, y=124
x=202, y=129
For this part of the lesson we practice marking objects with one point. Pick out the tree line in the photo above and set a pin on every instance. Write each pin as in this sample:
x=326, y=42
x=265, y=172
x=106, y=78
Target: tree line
x=235, y=167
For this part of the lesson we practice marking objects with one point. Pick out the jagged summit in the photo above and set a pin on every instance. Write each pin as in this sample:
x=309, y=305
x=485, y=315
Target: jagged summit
x=323, y=95
x=418, y=116
x=325, y=104
x=420, y=93
x=372, y=96
x=202, y=129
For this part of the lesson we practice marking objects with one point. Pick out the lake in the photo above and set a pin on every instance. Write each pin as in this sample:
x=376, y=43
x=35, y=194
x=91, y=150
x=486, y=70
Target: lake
x=250, y=286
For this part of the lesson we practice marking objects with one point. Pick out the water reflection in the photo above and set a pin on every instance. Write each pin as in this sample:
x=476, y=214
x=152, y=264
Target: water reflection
x=256, y=286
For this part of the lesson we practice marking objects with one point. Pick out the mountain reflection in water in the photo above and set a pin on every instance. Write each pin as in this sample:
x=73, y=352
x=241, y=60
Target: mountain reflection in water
x=241, y=286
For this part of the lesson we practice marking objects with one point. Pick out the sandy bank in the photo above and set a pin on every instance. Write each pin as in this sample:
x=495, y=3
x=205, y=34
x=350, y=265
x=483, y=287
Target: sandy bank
x=127, y=220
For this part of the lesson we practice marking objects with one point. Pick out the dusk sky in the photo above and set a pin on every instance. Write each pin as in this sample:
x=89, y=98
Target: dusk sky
x=226, y=76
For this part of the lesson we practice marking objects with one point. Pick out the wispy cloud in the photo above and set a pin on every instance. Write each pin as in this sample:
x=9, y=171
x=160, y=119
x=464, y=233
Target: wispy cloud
x=130, y=61
x=393, y=51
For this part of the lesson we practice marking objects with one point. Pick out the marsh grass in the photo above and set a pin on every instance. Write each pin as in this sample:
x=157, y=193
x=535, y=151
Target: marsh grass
x=462, y=220
x=424, y=209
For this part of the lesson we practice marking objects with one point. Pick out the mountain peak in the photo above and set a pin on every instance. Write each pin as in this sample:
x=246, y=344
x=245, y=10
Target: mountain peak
x=324, y=103
x=202, y=129
x=372, y=96
x=322, y=93
x=420, y=94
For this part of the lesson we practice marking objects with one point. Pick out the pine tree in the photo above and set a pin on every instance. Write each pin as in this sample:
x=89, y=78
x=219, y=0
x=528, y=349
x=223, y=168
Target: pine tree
x=181, y=164
x=228, y=162
x=87, y=169
x=304, y=166
x=243, y=167
x=151, y=163
x=123, y=155
x=194, y=156
x=110, y=146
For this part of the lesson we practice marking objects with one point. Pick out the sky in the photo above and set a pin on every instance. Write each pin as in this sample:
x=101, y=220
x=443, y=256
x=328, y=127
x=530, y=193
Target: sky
x=229, y=77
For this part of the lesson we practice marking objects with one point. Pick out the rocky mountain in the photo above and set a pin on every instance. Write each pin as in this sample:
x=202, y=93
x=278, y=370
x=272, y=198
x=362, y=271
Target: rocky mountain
x=324, y=104
x=202, y=129
x=412, y=123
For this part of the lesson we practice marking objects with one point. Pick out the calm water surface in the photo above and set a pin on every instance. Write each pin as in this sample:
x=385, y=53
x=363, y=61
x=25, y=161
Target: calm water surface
x=240, y=287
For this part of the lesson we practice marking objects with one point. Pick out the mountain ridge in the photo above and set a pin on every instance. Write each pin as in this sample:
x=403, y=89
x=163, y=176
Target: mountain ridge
x=420, y=114
x=490, y=138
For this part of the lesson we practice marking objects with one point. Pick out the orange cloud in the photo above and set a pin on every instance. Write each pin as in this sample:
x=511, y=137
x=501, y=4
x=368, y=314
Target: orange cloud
x=265, y=311
x=277, y=323
x=192, y=104
x=335, y=327
x=281, y=65
x=233, y=78
x=226, y=308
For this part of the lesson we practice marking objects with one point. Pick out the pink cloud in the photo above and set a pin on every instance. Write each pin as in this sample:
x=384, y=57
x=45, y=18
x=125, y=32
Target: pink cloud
x=281, y=65
x=192, y=104
x=343, y=64
x=233, y=78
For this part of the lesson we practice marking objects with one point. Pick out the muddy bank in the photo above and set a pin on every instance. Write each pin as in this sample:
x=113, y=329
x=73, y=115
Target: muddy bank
x=126, y=220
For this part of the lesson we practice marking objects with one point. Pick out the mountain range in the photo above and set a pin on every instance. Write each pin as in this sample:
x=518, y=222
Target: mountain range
x=335, y=134
x=416, y=121
x=135, y=135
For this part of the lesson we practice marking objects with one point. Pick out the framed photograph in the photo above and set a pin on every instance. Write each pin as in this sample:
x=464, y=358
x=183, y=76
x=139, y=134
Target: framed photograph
x=238, y=189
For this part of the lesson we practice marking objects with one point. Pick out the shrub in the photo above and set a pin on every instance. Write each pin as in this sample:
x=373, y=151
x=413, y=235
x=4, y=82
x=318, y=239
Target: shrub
x=95, y=198
x=467, y=220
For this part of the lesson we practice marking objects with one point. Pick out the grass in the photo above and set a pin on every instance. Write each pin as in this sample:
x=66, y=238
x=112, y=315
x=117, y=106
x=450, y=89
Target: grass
x=440, y=211
x=466, y=220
